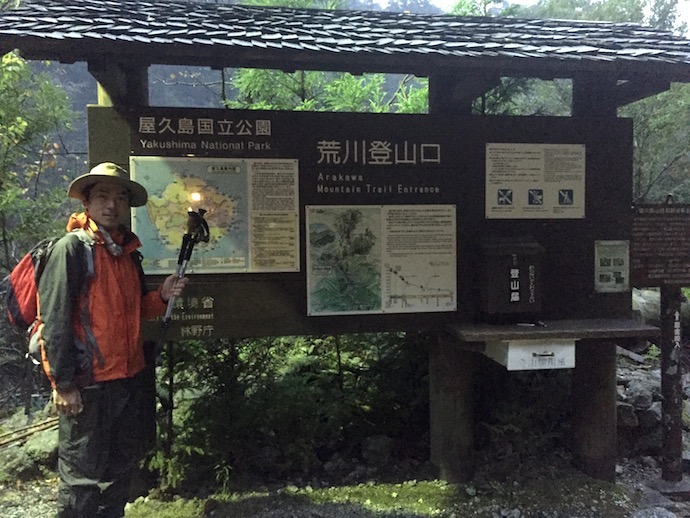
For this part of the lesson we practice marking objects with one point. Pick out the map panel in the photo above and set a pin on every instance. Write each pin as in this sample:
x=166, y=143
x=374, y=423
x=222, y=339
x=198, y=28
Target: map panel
x=378, y=259
x=222, y=187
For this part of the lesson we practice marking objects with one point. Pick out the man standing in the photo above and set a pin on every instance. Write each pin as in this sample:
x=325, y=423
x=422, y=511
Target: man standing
x=91, y=343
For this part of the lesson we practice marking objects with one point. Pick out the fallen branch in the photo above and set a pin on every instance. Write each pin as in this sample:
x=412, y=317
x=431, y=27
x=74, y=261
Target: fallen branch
x=21, y=434
x=629, y=354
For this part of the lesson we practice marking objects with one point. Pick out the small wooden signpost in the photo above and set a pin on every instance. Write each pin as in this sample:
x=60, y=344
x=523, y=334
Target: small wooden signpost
x=660, y=257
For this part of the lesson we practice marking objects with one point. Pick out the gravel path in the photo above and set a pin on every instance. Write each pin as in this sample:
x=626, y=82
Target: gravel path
x=35, y=499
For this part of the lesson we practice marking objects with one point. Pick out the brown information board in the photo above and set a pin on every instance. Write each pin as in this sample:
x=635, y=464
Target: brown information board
x=660, y=250
x=299, y=201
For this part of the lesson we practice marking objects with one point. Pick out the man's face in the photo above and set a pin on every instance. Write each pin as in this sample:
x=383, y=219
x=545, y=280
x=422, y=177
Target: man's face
x=108, y=205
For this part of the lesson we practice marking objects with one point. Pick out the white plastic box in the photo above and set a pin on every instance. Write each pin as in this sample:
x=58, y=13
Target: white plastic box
x=538, y=354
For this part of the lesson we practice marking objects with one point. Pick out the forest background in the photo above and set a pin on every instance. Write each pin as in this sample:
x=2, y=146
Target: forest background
x=286, y=405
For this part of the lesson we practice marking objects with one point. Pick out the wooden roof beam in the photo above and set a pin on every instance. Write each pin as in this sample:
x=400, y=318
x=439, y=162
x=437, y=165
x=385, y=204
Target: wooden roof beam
x=639, y=88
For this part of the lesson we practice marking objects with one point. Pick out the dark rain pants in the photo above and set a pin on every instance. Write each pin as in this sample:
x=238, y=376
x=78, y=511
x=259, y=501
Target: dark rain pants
x=99, y=450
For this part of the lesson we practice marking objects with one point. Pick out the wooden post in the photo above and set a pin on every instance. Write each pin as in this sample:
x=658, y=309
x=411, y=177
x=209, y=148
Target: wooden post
x=671, y=389
x=451, y=374
x=594, y=95
x=121, y=84
x=169, y=421
x=594, y=409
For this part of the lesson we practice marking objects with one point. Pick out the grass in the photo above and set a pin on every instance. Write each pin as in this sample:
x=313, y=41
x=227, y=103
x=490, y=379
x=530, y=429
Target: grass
x=570, y=495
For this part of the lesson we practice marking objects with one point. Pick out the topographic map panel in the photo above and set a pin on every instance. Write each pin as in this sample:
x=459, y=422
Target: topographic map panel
x=377, y=259
x=175, y=185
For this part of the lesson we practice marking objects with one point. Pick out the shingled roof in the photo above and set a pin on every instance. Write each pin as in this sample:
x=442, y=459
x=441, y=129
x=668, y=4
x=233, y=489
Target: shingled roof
x=223, y=35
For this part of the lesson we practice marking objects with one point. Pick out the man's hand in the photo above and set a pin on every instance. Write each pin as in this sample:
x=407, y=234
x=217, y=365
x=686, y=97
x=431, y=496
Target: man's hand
x=172, y=287
x=68, y=401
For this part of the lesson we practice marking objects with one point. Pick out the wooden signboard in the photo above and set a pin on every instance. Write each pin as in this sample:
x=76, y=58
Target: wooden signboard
x=660, y=248
x=348, y=222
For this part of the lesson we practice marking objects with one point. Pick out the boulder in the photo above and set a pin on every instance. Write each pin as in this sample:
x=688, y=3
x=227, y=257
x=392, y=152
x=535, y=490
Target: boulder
x=42, y=447
x=651, y=416
x=647, y=304
x=626, y=415
x=16, y=464
x=642, y=392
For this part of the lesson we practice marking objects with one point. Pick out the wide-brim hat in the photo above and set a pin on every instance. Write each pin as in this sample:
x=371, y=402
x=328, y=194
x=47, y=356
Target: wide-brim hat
x=108, y=172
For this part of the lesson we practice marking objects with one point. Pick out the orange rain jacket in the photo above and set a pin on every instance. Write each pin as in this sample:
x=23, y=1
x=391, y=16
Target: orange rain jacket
x=92, y=328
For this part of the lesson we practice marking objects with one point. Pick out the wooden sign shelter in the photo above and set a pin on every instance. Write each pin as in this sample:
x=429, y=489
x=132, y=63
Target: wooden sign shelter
x=563, y=184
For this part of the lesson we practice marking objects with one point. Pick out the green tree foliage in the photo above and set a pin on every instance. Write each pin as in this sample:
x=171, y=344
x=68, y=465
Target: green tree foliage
x=327, y=91
x=275, y=407
x=32, y=109
x=664, y=14
x=608, y=10
x=262, y=89
x=8, y=4
x=412, y=6
x=526, y=97
x=661, y=145
x=475, y=7
x=661, y=164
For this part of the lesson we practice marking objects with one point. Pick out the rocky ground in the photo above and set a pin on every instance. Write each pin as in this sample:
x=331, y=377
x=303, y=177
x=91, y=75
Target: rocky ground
x=642, y=478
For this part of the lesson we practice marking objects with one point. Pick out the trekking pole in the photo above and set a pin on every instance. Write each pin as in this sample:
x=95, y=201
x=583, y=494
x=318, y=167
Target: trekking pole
x=197, y=232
